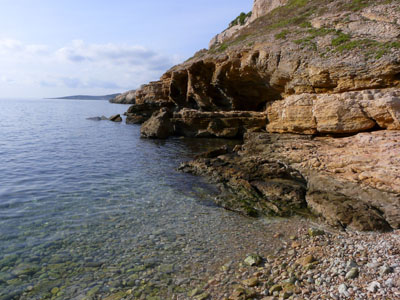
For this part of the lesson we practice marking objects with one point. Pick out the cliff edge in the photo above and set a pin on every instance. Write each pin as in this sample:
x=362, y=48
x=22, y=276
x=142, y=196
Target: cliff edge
x=314, y=89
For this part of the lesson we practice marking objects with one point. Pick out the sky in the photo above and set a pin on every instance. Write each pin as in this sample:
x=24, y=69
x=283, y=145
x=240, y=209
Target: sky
x=51, y=48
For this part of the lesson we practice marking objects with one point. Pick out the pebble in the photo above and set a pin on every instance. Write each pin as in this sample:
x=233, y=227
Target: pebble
x=373, y=286
x=353, y=273
x=343, y=290
x=253, y=260
x=337, y=265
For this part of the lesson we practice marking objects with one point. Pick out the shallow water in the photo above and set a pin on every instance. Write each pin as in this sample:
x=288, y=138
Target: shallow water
x=88, y=209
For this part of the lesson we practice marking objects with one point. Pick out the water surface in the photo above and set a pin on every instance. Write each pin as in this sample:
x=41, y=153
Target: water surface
x=88, y=209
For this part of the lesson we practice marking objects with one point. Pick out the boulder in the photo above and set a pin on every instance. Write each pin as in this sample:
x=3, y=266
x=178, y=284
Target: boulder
x=141, y=112
x=116, y=118
x=158, y=126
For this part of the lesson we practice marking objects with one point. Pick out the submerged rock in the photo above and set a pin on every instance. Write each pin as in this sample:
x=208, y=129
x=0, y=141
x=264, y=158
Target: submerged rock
x=102, y=118
x=253, y=260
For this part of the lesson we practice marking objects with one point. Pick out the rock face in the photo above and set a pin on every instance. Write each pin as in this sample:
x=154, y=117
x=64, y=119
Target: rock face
x=125, y=98
x=350, y=182
x=192, y=123
x=226, y=34
x=260, y=8
x=314, y=86
x=263, y=7
x=342, y=113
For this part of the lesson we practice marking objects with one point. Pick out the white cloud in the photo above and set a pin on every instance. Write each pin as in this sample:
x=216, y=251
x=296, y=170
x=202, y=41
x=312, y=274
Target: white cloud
x=17, y=48
x=78, y=66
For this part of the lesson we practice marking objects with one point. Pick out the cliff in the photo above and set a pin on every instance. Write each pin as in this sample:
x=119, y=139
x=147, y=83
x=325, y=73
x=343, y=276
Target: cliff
x=314, y=87
x=124, y=98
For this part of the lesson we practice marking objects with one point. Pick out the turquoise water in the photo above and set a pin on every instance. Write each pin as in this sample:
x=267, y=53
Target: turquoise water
x=88, y=209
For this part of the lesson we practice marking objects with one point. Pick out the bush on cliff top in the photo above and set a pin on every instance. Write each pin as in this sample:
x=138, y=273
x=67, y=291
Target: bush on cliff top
x=241, y=19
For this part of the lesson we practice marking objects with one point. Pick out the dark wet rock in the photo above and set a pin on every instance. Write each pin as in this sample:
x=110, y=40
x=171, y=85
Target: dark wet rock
x=233, y=124
x=214, y=153
x=102, y=118
x=115, y=118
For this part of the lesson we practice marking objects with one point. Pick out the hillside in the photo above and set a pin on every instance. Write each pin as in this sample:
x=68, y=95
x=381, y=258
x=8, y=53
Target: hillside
x=87, y=97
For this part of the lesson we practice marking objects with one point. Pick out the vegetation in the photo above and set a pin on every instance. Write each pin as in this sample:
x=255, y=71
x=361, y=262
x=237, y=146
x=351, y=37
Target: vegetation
x=358, y=4
x=340, y=39
x=293, y=21
x=313, y=33
x=222, y=47
x=241, y=19
x=282, y=34
x=375, y=48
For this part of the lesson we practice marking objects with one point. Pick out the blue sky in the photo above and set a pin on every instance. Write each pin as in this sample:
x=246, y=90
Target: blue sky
x=65, y=47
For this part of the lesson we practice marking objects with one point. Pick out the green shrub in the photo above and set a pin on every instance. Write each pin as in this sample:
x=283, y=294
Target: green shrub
x=358, y=4
x=365, y=43
x=222, y=47
x=340, y=39
x=282, y=34
x=297, y=3
x=305, y=24
x=241, y=19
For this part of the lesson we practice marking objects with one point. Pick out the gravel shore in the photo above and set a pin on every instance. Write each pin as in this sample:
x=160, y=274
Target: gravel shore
x=314, y=264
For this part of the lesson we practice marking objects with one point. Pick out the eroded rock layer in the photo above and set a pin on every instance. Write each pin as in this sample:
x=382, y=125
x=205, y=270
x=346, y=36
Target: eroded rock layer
x=342, y=113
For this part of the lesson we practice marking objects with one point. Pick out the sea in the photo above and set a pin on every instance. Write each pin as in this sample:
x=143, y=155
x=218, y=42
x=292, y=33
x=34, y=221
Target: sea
x=89, y=210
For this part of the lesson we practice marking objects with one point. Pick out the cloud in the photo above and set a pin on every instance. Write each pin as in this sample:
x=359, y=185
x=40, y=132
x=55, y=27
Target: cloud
x=74, y=82
x=15, y=47
x=7, y=79
x=95, y=68
x=79, y=52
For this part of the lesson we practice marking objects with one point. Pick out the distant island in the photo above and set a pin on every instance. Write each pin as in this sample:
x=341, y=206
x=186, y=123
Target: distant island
x=87, y=97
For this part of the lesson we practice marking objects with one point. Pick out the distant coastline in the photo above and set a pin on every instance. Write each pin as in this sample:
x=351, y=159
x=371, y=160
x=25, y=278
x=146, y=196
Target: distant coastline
x=87, y=97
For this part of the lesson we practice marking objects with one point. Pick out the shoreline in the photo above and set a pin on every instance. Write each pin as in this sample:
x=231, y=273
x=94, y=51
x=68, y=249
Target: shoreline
x=333, y=265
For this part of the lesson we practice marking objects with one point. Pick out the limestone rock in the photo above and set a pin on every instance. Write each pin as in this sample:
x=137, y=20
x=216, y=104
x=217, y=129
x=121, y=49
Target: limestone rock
x=331, y=85
x=158, y=126
x=349, y=182
x=141, y=112
x=263, y=7
x=128, y=97
x=336, y=113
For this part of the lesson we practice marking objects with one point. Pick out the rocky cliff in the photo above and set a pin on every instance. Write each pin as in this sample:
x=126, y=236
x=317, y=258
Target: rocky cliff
x=314, y=86
x=125, y=98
